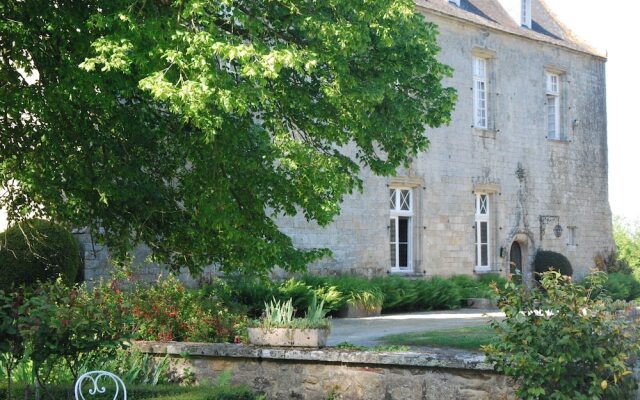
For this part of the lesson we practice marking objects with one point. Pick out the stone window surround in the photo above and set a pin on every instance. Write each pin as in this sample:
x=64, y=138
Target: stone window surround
x=489, y=55
x=562, y=134
x=491, y=189
x=414, y=183
x=397, y=213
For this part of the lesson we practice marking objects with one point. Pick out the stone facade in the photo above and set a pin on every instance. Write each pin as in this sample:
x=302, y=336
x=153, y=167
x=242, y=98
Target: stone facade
x=281, y=373
x=543, y=192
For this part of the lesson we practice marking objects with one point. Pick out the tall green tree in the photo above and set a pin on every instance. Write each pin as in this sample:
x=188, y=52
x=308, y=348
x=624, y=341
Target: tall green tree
x=190, y=125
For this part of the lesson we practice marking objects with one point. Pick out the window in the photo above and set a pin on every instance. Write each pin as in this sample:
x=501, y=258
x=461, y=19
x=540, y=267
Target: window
x=525, y=15
x=483, y=233
x=400, y=228
x=572, y=236
x=480, y=119
x=553, y=105
x=456, y=2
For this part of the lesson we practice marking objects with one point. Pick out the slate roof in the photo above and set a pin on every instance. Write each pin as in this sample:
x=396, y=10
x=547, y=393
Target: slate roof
x=545, y=26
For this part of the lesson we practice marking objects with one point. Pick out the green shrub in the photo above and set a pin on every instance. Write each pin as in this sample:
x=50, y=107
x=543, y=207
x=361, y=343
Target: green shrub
x=300, y=294
x=546, y=260
x=468, y=287
x=37, y=250
x=437, y=294
x=627, y=238
x=400, y=293
x=486, y=280
x=332, y=297
x=357, y=290
x=620, y=286
x=247, y=294
x=564, y=341
x=168, y=311
x=480, y=287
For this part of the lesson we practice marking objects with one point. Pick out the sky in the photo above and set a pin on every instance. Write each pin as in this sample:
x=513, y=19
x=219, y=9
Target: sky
x=613, y=28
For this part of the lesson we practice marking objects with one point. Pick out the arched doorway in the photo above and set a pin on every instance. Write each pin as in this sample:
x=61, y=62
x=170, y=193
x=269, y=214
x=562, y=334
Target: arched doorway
x=515, y=261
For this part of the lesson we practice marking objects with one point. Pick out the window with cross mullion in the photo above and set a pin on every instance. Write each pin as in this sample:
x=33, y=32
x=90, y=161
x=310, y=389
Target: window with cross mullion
x=400, y=228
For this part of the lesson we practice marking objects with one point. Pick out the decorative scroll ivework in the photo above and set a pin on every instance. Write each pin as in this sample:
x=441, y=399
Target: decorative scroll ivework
x=547, y=220
x=95, y=381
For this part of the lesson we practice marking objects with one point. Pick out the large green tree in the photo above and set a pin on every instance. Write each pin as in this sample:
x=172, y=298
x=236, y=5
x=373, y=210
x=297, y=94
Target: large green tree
x=189, y=125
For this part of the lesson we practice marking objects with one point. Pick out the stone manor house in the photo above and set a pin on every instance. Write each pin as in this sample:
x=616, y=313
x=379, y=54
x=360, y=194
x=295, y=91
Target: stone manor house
x=522, y=166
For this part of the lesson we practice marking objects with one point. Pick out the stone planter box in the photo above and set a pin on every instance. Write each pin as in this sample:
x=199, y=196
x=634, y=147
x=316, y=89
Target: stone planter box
x=289, y=337
x=481, y=303
x=358, y=311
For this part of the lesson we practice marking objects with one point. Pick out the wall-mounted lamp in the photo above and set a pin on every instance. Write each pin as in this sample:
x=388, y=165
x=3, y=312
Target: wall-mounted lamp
x=557, y=230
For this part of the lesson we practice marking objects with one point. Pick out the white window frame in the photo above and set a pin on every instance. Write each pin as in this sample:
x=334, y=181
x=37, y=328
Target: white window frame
x=552, y=110
x=481, y=218
x=480, y=93
x=395, y=214
x=572, y=236
x=525, y=13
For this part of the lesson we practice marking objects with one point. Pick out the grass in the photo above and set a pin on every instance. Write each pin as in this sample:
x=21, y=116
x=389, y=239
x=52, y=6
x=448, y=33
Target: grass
x=376, y=349
x=146, y=392
x=470, y=338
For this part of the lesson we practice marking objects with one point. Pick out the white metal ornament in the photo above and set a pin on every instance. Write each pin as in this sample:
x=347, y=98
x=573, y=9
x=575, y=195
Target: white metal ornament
x=93, y=378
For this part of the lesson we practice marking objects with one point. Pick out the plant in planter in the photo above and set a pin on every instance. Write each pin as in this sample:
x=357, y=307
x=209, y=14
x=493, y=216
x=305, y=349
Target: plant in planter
x=365, y=303
x=278, y=327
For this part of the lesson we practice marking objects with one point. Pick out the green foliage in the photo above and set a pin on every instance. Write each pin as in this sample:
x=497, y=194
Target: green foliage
x=546, y=260
x=437, y=294
x=400, y=293
x=393, y=293
x=627, y=238
x=298, y=292
x=37, y=250
x=13, y=315
x=470, y=338
x=279, y=314
x=621, y=286
x=377, y=349
x=69, y=324
x=487, y=281
x=168, y=311
x=346, y=289
x=223, y=390
x=147, y=392
x=249, y=293
x=563, y=341
x=316, y=312
x=191, y=125
x=418, y=294
x=55, y=328
x=359, y=291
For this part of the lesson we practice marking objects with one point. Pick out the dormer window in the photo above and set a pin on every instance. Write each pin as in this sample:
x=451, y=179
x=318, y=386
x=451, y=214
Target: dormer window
x=525, y=10
x=519, y=11
x=456, y=2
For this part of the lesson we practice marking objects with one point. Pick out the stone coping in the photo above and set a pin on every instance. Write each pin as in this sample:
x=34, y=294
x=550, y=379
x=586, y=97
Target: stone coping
x=431, y=358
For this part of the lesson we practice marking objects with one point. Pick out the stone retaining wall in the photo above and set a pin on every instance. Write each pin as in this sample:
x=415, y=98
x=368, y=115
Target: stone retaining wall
x=341, y=374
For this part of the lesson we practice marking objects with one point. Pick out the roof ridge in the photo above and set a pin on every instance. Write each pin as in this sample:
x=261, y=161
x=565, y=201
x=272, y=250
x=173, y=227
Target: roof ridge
x=492, y=14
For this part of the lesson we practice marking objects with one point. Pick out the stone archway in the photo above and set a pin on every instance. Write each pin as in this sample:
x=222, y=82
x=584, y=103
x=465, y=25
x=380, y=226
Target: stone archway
x=515, y=259
x=519, y=257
